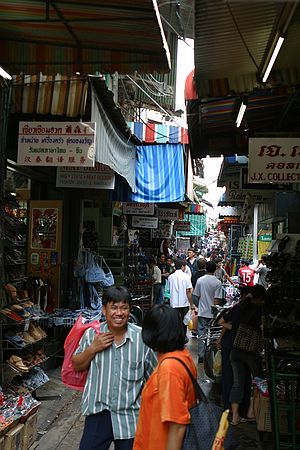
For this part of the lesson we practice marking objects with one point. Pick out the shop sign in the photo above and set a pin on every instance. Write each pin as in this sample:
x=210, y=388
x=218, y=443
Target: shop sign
x=98, y=177
x=261, y=186
x=182, y=225
x=265, y=237
x=274, y=160
x=239, y=196
x=167, y=213
x=164, y=231
x=230, y=220
x=144, y=209
x=61, y=144
x=144, y=222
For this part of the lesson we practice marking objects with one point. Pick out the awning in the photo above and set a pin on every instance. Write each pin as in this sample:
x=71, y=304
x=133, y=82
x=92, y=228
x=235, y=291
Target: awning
x=151, y=133
x=69, y=36
x=159, y=174
x=111, y=147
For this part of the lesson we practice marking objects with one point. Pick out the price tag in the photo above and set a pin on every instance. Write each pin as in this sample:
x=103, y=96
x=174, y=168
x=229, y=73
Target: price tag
x=26, y=325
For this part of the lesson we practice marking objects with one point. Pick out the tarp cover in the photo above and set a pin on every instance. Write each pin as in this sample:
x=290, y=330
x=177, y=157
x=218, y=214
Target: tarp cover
x=111, y=148
x=159, y=174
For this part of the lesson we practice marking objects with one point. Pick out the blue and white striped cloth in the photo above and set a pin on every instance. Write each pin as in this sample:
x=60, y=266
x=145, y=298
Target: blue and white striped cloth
x=159, y=174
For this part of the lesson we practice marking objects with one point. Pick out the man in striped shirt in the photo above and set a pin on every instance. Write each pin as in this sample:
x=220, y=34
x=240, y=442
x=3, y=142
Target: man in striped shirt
x=118, y=364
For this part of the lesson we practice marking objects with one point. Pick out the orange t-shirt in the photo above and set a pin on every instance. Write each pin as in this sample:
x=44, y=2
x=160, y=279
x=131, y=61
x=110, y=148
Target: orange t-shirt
x=167, y=397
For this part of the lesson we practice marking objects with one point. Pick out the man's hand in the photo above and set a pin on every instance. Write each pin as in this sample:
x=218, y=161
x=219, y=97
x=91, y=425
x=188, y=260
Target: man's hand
x=101, y=342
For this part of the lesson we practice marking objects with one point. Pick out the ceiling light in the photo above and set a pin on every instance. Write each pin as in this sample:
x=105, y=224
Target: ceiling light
x=241, y=113
x=5, y=74
x=272, y=57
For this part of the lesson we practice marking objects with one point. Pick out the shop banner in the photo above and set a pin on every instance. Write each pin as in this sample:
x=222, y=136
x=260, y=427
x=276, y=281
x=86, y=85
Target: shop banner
x=98, y=177
x=182, y=225
x=62, y=144
x=233, y=196
x=274, y=160
x=261, y=186
x=167, y=213
x=144, y=209
x=164, y=231
x=144, y=222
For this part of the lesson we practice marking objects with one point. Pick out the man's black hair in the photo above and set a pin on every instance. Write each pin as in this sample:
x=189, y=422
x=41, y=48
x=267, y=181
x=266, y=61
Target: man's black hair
x=217, y=260
x=211, y=267
x=162, y=329
x=116, y=294
x=179, y=263
x=191, y=250
x=201, y=263
x=245, y=261
x=258, y=291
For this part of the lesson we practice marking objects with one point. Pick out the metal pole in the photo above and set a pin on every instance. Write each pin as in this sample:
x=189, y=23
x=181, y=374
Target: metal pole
x=255, y=231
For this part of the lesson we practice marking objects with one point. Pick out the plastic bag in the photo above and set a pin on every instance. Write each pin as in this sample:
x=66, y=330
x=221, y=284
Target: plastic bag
x=188, y=317
x=69, y=376
x=217, y=365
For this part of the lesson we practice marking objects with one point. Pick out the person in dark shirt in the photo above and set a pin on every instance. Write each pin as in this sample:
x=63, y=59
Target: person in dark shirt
x=201, y=263
x=191, y=260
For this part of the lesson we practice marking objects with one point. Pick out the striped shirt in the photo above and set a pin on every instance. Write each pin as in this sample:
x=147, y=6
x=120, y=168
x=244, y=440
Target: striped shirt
x=115, y=379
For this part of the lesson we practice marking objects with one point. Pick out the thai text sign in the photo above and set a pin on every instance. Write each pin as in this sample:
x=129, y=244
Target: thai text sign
x=167, y=213
x=182, y=225
x=145, y=209
x=144, y=222
x=99, y=177
x=274, y=160
x=69, y=144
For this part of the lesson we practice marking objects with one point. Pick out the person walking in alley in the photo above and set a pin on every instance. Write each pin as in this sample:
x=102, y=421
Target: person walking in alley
x=246, y=274
x=118, y=364
x=181, y=290
x=157, y=286
x=191, y=260
x=169, y=392
x=208, y=289
x=262, y=271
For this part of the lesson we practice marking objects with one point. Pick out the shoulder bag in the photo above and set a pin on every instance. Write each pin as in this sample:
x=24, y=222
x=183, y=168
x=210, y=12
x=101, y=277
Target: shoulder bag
x=204, y=424
x=248, y=338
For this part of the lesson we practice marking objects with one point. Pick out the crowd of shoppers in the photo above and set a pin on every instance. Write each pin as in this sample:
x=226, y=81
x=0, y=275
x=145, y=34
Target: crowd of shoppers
x=137, y=394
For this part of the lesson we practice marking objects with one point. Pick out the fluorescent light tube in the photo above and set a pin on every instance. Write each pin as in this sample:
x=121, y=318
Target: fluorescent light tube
x=273, y=58
x=241, y=113
x=5, y=74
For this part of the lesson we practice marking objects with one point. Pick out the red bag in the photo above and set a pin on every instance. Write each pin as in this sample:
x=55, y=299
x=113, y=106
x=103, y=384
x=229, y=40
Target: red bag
x=69, y=376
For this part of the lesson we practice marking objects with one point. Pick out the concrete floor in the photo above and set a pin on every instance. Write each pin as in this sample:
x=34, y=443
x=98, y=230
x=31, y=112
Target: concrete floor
x=60, y=423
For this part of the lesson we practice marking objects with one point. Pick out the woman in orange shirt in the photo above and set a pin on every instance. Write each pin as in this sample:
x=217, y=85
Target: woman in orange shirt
x=169, y=393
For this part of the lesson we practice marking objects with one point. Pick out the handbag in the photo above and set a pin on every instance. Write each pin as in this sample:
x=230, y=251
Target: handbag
x=205, y=417
x=108, y=278
x=94, y=273
x=248, y=339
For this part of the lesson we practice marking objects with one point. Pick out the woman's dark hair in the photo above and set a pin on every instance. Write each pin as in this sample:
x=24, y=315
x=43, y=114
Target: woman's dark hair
x=162, y=329
x=116, y=294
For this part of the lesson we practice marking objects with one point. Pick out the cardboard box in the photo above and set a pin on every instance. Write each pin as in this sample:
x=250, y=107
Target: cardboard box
x=13, y=440
x=30, y=431
x=261, y=406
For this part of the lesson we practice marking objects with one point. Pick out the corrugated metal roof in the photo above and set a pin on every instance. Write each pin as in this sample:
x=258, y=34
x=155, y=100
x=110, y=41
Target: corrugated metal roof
x=220, y=53
x=65, y=36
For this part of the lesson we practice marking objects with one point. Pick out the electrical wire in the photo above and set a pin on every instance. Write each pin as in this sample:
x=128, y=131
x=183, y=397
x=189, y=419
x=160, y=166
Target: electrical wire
x=241, y=36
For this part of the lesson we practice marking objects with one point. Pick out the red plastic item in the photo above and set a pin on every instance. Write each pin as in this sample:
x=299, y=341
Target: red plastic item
x=69, y=376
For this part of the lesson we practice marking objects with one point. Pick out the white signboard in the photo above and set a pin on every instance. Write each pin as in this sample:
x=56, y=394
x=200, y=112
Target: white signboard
x=239, y=196
x=98, y=177
x=144, y=222
x=145, y=209
x=69, y=144
x=274, y=160
x=167, y=213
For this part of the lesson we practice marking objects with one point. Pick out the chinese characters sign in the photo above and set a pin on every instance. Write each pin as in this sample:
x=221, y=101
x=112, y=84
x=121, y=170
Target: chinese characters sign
x=98, y=177
x=69, y=144
x=144, y=209
x=274, y=160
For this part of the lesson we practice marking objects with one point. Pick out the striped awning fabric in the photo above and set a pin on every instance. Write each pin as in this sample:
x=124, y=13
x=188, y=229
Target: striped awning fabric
x=159, y=174
x=151, y=133
x=69, y=36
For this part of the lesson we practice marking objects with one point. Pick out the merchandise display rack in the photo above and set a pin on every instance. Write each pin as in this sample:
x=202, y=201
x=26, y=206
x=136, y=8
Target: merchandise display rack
x=282, y=337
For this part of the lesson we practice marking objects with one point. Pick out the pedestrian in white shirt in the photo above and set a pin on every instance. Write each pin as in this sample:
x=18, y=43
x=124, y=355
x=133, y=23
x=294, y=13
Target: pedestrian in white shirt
x=181, y=289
